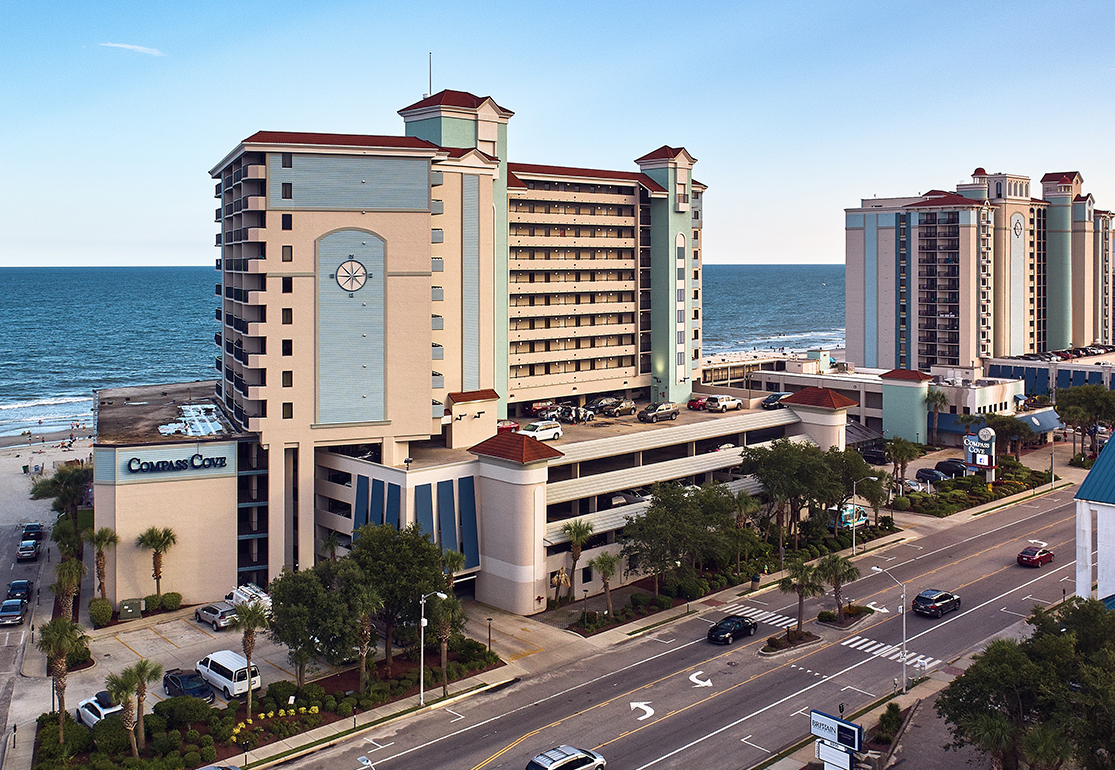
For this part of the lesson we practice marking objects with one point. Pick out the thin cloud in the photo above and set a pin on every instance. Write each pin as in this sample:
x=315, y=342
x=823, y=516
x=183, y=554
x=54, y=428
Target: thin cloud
x=136, y=48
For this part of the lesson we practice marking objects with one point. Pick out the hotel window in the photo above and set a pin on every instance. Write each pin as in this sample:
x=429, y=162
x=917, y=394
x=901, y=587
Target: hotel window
x=288, y=410
x=288, y=253
x=681, y=316
x=288, y=379
x=288, y=190
x=288, y=347
x=288, y=285
x=288, y=222
x=288, y=160
x=288, y=315
x=681, y=358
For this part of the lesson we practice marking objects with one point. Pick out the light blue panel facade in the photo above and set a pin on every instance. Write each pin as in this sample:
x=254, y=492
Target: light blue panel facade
x=967, y=216
x=140, y=465
x=393, y=502
x=349, y=182
x=887, y=218
x=375, y=510
x=424, y=508
x=350, y=331
x=1058, y=275
x=446, y=516
x=870, y=289
x=360, y=509
x=1018, y=301
x=853, y=220
x=470, y=541
x=905, y=412
x=1080, y=212
x=470, y=282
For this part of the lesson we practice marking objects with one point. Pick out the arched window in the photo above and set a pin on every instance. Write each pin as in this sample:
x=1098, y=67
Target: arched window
x=998, y=189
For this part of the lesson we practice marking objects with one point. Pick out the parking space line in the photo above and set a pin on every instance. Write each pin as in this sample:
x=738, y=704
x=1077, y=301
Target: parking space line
x=156, y=633
x=121, y=641
x=198, y=627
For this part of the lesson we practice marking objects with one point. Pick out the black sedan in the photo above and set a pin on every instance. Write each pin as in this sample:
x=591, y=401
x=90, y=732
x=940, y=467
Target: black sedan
x=20, y=589
x=731, y=628
x=183, y=681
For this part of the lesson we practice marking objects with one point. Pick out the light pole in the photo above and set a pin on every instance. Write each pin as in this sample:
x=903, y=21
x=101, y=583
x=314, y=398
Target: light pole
x=855, y=519
x=489, y=634
x=422, y=645
x=903, y=609
x=584, y=609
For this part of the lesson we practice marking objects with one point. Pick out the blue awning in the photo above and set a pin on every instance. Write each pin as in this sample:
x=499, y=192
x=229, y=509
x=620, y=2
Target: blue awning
x=1041, y=422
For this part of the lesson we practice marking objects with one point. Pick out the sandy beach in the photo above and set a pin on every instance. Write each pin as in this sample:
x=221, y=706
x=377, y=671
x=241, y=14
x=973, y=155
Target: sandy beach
x=16, y=505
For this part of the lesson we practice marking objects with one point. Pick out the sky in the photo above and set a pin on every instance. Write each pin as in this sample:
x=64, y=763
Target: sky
x=113, y=113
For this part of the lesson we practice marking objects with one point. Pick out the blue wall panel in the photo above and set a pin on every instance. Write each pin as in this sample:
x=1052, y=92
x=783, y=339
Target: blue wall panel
x=1095, y=378
x=393, y=505
x=349, y=182
x=447, y=515
x=470, y=542
x=1063, y=378
x=360, y=512
x=375, y=515
x=424, y=508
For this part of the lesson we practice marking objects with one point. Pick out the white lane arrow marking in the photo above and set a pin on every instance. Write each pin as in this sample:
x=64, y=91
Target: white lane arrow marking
x=645, y=706
x=697, y=681
x=878, y=609
x=1039, y=543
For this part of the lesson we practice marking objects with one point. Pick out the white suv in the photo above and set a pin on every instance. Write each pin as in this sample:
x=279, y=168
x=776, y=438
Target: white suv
x=543, y=430
x=567, y=758
x=722, y=403
x=93, y=710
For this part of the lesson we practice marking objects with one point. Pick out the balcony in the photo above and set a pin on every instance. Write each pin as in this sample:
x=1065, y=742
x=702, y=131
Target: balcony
x=437, y=380
x=438, y=410
x=437, y=322
x=681, y=203
x=437, y=352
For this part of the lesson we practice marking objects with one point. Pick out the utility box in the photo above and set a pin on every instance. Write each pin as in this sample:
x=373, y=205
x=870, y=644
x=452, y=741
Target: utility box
x=130, y=609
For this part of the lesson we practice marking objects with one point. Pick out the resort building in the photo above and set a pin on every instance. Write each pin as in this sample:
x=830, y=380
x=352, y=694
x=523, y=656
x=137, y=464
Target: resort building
x=951, y=278
x=382, y=301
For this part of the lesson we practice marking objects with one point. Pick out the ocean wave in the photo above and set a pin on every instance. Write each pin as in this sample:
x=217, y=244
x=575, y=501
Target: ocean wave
x=57, y=401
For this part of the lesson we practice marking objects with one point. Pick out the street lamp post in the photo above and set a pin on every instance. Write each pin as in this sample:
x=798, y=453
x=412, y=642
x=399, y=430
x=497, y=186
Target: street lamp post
x=854, y=517
x=903, y=610
x=489, y=634
x=584, y=609
x=422, y=645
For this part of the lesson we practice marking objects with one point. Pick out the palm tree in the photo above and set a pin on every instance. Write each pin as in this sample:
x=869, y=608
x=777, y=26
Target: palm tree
x=452, y=562
x=606, y=563
x=448, y=618
x=146, y=672
x=936, y=399
x=902, y=451
x=102, y=539
x=560, y=578
x=57, y=639
x=67, y=486
x=366, y=604
x=837, y=571
x=801, y=579
x=158, y=541
x=69, y=574
x=250, y=618
x=120, y=688
x=329, y=544
x=746, y=506
x=579, y=531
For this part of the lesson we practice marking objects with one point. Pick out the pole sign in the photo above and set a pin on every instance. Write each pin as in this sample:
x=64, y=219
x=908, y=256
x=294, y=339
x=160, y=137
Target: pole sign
x=834, y=757
x=980, y=449
x=835, y=730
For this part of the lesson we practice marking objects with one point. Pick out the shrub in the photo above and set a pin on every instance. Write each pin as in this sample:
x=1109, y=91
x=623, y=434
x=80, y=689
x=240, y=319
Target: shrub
x=367, y=702
x=826, y=617
x=206, y=740
x=208, y=753
x=77, y=658
x=171, y=601
x=900, y=503
x=221, y=729
x=192, y=759
x=266, y=704
x=110, y=735
x=280, y=692
x=100, y=612
x=891, y=719
x=669, y=583
x=639, y=599
x=153, y=723
x=182, y=711
x=344, y=708
x=152, y=602
x=192, y=736
x=313, y=693
x=329, y=704
x=664, y=601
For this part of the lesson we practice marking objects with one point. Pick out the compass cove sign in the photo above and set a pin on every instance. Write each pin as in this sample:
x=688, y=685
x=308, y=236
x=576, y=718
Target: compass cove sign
x=194, y=462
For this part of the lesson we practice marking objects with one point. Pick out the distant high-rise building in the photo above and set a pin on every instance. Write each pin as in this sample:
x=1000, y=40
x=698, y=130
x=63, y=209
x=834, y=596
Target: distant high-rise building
x=952, y=278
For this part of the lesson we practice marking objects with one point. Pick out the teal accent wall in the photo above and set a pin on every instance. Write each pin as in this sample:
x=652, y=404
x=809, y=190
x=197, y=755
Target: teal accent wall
x=870, y=289
x=904, y=411
x=502, y=311
x=1058, y=274
x=444, y=132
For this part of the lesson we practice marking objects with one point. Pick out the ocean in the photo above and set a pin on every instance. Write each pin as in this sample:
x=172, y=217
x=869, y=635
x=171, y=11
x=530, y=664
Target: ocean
x=69, y=331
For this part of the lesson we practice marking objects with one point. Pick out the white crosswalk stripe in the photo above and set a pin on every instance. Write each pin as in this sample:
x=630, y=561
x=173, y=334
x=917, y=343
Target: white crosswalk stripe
x=760, y=616
x=890, y=652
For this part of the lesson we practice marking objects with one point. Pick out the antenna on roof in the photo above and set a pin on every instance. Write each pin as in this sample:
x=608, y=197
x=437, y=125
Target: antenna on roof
x=427, y=95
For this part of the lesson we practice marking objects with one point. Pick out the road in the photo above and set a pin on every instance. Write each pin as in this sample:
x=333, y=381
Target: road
x=670, y=699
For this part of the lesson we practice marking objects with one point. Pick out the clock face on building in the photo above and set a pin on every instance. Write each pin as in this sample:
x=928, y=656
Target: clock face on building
x=1018, y=229
x=986, y=434
x=351, y=275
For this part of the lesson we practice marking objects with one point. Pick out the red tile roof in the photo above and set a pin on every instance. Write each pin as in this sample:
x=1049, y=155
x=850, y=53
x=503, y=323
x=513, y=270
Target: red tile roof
x=1065, y=177
x=665, y=152
x=905, y=374
x=528, y=169
x=457, y=152
x=515, y=447
x=473, y=395
x=1081, y=198
x=448, y=98
x=514, y=181
x=979, y=172
x=344, y=140
x=935, y=198
x=823, y=397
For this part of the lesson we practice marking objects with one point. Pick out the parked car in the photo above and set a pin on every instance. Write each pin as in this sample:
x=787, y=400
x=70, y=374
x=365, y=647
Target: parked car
x=662, y=410
x=13, y=612
x=696, y=401
x=506, y=426
x=21, y=589
x=93, y=710
x=722, y=403
x=574, y=415
x=218, y=614
x=540, y=406
x=622, y=406
x=731, y=628
x=850, y=516
x=567, y=758
x=637, y=495
x=912, y=485
x=774, y=401
x=936, y=603
x=600, y=403
x=249, y=593
x=32, y=531
x=1035, y=556
x=874, y=455
x=28, y=551
x=930, y=474
x=952, y=467
x=543, y=430
x=184, y=681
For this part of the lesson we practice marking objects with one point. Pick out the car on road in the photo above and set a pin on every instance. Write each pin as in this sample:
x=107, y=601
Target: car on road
x=722, y=404
x=774, y=401
x=622, y=406
x=935, y=603
x=28, y=551
x=661, y=410
x=13, y=612
x=696, y=402
x=931, y=475
x=32, y=531
x=184, y=681
x=21, y=589
x=731, y=628
x=952, y=467
x=567, y=758
x=93, y=710
x=543, y=430
x=1034, y=556
x=218, y=614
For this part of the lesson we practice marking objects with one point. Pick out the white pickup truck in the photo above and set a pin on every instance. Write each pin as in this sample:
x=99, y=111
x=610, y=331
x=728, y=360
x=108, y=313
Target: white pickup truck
x=249, y=593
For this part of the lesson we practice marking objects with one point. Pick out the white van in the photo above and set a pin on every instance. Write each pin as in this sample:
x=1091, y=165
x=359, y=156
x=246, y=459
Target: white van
x=227, y=672
x=249, y=593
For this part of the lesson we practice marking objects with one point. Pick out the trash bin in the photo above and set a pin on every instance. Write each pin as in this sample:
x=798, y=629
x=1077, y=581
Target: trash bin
x=26, y=468
x=755, y=582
